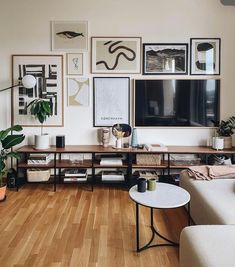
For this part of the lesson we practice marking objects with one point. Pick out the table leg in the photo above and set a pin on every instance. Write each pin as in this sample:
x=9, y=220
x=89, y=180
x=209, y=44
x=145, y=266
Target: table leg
x=137, y=228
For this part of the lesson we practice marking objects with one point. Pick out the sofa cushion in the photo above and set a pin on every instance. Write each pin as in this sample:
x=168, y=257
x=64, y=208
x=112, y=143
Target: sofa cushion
x=212, y=202
x=207, y=246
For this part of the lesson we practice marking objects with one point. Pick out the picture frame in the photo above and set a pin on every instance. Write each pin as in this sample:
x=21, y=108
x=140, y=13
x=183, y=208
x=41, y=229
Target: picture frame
x=115, y=55
x=74, y=64
x=165, y=59
x=48, y=71
x=205, y=56
x=111, y=101
x=69, y=35
x=78, y=92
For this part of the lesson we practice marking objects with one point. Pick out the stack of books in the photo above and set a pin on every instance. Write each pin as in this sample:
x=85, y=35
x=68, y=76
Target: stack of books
x=149, y=174
x=111, y=160
x=156, y=147
x=113, y=176
x=75, y=175
x=38, y=159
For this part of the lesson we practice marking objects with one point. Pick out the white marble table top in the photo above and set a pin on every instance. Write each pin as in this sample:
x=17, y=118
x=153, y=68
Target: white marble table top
x=165, y=196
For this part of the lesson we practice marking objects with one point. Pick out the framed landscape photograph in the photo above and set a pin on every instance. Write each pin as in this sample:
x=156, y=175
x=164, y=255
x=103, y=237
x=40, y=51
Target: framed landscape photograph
x=205, y=56
x=111, y=101
x=69, y=35
x=75, y=64
x=78, y=92
x=115, y=54
x=165, y=59
x=48, y=71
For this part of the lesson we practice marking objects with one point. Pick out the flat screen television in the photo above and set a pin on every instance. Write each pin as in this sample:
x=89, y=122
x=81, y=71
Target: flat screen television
x=183, y=103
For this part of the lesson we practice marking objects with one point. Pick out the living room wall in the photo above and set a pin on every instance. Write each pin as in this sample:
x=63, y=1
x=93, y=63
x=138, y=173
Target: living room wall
x=25, y=29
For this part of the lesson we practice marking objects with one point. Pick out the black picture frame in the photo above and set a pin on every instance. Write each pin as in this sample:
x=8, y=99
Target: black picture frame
x=205, y=56
x=165, y=58
x=111, y=101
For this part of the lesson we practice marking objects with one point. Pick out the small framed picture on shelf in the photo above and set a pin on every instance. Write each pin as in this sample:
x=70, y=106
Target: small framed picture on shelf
x=205, y=56
x=74, y=64
x=165, y=58
x=111, y=101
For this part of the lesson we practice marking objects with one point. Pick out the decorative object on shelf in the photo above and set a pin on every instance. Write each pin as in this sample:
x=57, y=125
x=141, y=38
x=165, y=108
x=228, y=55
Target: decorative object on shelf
x=38, y=175
x=105, y=136
x=75, y=64
x=218, y=143
x=165, y=58
x=115, y=54
x=41, y=109
x=8, y=141
x=141, y=185
x=134, y=138
x=48, y=71
x=151, y=184
x=120, y=131
x=78, y=92
x=148, y=159
x=60, y=141
x=205, y=56
x=69, y=35
x=226, y=130
x=111, y=101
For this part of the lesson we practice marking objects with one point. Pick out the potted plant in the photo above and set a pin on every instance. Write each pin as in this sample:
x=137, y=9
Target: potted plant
x=226, y=129
x=8, y=140
x=41, y=110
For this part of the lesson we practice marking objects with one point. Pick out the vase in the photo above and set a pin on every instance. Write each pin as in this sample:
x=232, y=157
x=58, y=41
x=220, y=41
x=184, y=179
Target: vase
x=227, y=141
x=119, y=143
x=42, y=141
x=134, y=138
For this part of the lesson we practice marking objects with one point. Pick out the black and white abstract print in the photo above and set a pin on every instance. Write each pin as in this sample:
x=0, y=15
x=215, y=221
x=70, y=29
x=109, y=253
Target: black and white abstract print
x=165, y=59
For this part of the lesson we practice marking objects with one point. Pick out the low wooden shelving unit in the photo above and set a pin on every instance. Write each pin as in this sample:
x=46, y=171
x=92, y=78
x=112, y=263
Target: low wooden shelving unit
x=57, y=163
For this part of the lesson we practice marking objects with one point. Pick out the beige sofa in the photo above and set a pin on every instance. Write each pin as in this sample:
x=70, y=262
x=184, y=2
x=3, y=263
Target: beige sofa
x=211, y=243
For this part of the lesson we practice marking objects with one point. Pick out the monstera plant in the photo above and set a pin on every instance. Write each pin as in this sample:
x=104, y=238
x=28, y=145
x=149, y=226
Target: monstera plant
x=8, y=141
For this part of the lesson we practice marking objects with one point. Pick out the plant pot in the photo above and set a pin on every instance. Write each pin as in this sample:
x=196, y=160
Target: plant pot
x=227, y=141
x=42, y=141
x=3, y=192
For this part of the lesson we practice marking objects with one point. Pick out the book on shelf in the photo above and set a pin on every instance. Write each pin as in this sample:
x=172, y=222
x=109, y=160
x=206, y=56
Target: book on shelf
x=75, y=172
x=75, y=179
x=156, y=147
x=148, y=174
x=113, y=176
x=111, y=162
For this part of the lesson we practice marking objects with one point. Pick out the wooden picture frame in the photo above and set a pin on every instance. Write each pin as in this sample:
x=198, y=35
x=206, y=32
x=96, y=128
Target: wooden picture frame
x=48, y=71
x=205, y=56
x=69, y=35
x=165, y=59
x=74, y=64
x=111, y=101
x=115, y=55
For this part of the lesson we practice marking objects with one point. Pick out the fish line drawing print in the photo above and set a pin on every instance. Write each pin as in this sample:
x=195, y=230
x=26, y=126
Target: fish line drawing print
x=48, y=71
x=116, y=54
x=69, y=35
x=165, y=59
x=78, y=92
x=75, y=64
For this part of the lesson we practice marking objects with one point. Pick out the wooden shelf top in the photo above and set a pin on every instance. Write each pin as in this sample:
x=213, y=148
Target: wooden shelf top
x=110, y=149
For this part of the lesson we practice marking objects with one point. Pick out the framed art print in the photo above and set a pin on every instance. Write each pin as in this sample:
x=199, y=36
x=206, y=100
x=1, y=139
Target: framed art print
x=165, y=58
x=75, y=64
x=48, y=71
x=78, y=92
x=111, y=100
x=115, y=54
x=205, y=56
x=69, y=35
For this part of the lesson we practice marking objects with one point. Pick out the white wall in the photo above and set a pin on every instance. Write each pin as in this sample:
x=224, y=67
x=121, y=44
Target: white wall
x=25, y=29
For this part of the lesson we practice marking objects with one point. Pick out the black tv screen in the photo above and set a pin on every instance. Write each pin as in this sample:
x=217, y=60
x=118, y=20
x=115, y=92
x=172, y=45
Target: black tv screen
x=177, y=103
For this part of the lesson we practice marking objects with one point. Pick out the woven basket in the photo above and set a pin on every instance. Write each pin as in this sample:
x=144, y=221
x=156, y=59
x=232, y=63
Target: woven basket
x=148, y=159
x=37, y=175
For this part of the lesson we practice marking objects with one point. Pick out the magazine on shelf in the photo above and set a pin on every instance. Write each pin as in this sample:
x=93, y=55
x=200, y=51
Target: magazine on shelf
x=156, y=147
x=75, y=172
x=39, y=158
x=75, y=179
x=113, y=162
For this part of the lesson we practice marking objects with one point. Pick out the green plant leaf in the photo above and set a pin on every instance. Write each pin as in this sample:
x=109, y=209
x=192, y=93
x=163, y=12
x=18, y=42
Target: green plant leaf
x=15, y=155
x=46, y=107
x=4, y=133
x=12, y=140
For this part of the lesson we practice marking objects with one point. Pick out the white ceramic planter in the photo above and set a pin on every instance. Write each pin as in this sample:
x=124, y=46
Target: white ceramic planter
x=42, y=141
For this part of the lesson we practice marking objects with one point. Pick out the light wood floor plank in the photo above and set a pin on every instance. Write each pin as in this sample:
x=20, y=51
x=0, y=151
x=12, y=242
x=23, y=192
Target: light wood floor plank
x=76, y=227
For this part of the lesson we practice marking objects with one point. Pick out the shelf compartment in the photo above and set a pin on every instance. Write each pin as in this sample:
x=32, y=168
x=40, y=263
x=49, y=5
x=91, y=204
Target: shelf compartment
x=64, y=163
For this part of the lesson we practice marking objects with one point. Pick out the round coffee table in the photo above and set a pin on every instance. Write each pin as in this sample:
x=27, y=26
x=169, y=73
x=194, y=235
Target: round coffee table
x=166, y=196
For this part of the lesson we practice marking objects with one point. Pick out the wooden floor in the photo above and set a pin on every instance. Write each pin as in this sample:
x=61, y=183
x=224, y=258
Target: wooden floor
x=76, y=227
